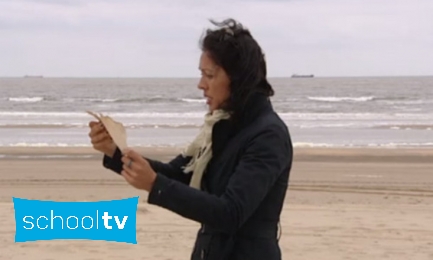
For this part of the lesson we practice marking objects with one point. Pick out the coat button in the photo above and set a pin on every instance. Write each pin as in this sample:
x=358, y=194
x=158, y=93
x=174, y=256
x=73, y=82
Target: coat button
x=202, y=254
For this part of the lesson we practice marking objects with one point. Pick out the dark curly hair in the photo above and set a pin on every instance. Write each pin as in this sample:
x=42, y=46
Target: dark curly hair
x=232, y=47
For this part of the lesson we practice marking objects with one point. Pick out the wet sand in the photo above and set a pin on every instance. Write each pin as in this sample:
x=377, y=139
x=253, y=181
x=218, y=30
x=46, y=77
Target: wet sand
x=341, y=204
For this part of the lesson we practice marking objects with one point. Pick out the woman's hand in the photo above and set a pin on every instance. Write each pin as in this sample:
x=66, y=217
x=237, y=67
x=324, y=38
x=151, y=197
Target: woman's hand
x=101, y=139
x=137, y=170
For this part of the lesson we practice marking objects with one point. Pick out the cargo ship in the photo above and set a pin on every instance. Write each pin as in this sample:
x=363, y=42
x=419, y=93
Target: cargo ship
x=33, y=76
x=302, y=76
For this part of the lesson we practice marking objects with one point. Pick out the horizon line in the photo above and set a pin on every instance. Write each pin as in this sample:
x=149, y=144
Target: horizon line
x=196, y=77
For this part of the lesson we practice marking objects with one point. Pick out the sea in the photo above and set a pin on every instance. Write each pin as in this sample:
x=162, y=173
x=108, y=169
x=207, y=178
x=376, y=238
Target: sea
x=387, y=112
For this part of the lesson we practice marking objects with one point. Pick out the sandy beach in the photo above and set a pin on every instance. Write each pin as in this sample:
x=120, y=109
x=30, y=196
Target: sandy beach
x=341, y=204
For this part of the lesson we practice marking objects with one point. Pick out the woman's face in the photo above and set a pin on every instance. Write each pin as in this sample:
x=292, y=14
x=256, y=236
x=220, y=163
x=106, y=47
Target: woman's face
x=214, y=82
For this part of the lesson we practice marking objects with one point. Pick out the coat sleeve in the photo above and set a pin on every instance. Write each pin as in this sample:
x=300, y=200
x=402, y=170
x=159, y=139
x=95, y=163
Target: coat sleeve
x=265, y=158
x=172, y=169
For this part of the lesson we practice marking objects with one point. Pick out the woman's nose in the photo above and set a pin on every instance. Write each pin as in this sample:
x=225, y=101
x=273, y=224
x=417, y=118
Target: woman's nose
x=201, y=84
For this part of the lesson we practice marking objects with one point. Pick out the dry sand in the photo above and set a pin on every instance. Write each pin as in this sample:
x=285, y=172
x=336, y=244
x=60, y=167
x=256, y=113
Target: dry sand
x=342, y=204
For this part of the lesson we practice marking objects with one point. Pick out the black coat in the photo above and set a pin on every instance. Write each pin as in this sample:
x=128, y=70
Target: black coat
x=243, y=188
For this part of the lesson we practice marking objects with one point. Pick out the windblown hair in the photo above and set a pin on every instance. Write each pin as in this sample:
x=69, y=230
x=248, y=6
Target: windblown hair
x=232, y=47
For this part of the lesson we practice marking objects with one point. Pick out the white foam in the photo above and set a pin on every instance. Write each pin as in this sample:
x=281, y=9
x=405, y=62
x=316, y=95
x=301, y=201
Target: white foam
x=394, y=145
x=192, y=100
x=342, y=99
x=14, y=115
x=303, y=144
x=24, y=144
x=114, y=114
x=26, y=99
x=85, y=125
x=363, y=176
x=377, y=145
x=46, y=156
x=355, y=116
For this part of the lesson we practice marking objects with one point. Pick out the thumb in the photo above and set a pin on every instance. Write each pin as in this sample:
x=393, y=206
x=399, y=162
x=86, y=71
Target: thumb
x=93, y=123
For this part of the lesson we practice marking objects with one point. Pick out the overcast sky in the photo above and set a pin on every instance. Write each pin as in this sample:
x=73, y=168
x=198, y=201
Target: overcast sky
x=133, y=38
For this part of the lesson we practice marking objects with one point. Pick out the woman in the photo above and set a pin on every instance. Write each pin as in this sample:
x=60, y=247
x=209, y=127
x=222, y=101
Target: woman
x=233, y=177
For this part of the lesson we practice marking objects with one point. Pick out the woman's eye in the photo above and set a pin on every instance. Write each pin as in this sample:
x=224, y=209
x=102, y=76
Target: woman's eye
x=207, y=75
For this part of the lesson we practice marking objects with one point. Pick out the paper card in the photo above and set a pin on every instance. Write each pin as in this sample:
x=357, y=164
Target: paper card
x=115, y=129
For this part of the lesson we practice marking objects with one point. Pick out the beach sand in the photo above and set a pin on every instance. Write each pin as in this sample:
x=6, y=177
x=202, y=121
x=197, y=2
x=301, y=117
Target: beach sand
x=341, y=204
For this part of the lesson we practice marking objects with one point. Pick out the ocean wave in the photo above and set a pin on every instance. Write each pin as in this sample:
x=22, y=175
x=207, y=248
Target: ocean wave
x=342, y=99
x=38, y=125
x=114, y=114
x=48, y=156
x=115, y=100
x=369, y=145
x=85, y=125
x=404, y=101
x=188, y=125
x=87, y=145
x=295, y=144
x=22, y=117
x=395, y=145
x=193, y=100
x=355, y=116
x=25, y=99
x=104, y=100
x=96, y=100
x=25, y=144
x=392, y=126
x=201, y=100
x=305, y=144
x=152, y=99
x=385, y=100
x=364, y=124
x=335, y=125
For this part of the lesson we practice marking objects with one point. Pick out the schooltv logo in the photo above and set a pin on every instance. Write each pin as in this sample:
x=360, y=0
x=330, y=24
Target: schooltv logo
x=113, y=220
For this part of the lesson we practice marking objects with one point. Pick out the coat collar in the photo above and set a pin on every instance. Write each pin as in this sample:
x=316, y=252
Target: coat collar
x=224, y=130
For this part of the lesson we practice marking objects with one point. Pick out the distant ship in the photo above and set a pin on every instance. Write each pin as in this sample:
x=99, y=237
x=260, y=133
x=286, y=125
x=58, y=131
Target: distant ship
x=302, y=76
x=33, y=76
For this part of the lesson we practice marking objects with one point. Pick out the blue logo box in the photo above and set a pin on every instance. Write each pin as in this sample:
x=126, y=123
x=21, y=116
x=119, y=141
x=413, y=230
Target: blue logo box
x=113, y=220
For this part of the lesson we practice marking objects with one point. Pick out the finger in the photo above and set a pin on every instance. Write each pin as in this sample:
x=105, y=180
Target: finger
x=103, y=146
x=93, y=123
x=102, y=141
x=97, y=129
x=134, y=155
x=139, y=164
x=127, y=177
x=125, y=159
x=130, y=172
x=100, y=137
x=126, y=151
x=131, y=164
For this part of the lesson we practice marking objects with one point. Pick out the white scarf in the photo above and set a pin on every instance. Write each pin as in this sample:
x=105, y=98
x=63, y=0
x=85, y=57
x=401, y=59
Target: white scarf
x=201, y=148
